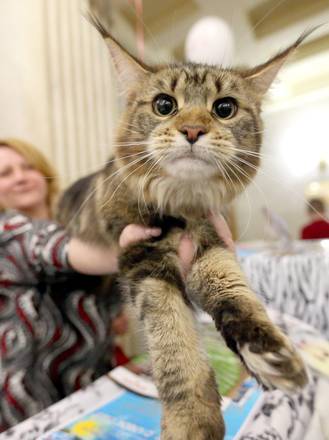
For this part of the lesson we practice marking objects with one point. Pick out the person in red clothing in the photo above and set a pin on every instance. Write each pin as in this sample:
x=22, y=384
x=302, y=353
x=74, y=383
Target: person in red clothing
x=318, y=228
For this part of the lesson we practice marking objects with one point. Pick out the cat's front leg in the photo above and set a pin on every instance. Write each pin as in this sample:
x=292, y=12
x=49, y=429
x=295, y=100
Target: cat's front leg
x=185, y=381
x=218, y=284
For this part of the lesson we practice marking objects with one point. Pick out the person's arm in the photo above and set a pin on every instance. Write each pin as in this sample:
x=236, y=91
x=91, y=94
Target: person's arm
x=39, y=244
x=95, y=260
x=51, y=249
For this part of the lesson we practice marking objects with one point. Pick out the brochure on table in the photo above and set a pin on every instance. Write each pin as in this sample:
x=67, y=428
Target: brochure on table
x=133, y=416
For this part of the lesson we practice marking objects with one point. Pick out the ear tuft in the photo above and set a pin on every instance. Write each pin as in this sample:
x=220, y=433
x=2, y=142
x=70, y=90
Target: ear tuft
x=129, y=69
x=263, y=75
x=95, y=21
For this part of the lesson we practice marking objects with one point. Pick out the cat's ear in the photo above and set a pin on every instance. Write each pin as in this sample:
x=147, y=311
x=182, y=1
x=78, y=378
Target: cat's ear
x=130, y=70
x=262, y=76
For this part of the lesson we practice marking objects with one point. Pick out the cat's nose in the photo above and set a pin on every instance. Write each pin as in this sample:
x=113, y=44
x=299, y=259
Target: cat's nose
x=193, y=132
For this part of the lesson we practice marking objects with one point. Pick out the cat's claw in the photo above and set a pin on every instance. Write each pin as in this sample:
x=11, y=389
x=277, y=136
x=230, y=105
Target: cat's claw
x=283, y=369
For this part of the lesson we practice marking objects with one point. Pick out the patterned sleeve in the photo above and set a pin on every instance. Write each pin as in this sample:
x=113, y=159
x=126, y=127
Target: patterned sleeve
x=43, y=243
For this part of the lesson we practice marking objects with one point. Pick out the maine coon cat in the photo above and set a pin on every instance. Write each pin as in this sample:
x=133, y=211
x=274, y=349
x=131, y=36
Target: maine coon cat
x=188, y=142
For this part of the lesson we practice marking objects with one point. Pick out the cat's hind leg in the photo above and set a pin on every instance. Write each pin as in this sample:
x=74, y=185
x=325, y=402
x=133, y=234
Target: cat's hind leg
x=186, y=383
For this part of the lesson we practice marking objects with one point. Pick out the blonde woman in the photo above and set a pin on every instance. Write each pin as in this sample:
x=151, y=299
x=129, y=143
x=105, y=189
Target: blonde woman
x=29, y=183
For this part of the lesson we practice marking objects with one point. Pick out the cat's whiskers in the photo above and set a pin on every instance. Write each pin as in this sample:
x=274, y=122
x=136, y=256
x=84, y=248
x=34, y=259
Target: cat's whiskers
x=249, y=152
x=248, y=164
x=258, y=131
x=146, y=176
x=98, y=186
x=224, y=173
x=108, y=162
x=141, y=194
x=232, y=146
x=225, y=160
x=256, y=168
x=243, y=185
x=237, y=167
x=214, y=154
x=141, y=185
x=252, y=182
x=233, y=149
x=127, y=144
x=123, y=180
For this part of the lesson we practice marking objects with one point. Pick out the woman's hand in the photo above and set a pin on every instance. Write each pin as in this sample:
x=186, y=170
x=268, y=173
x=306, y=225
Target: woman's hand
x=133, y=233
x=222, y=229
x=92, y=259
x=95, y=260
x=187, y=248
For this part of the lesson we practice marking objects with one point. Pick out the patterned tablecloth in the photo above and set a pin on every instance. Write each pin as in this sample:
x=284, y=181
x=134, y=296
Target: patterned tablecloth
x=294, y=281
x=302, y=416
x=293, y=417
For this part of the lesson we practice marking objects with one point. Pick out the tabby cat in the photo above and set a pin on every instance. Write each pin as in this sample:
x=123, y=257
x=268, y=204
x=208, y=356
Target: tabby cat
x=187, y=143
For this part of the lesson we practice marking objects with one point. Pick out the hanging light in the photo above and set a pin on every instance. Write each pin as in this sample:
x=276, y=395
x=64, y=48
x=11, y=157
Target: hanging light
x=210, y=41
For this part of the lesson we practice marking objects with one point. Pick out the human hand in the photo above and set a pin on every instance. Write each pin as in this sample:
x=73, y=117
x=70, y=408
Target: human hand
x=187, y=248
x=92, y=259
x=222, y=229
x=134, y=233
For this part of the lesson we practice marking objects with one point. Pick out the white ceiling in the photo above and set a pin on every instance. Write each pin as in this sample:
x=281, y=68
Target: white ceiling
x=166, y=24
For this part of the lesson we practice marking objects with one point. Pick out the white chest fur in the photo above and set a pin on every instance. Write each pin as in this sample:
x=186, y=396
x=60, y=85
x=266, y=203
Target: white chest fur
x=176, y=196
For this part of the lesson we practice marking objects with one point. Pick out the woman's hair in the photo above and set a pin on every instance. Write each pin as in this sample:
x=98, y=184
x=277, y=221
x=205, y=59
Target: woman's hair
x=35, y=158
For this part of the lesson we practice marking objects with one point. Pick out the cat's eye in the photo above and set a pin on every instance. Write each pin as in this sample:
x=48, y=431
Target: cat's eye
x=164, y=105
x=225, y=108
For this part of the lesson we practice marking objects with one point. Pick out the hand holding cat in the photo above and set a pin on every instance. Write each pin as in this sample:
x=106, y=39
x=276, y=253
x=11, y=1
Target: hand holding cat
x=222, y=229
x=187, y=248
x=134, y=233
x=96, y=260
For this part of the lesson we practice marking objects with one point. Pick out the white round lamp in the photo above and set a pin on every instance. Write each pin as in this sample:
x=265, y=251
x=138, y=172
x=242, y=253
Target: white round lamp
x=210, y=41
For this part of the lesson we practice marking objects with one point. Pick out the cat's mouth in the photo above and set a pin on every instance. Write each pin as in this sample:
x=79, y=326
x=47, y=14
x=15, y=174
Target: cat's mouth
x=191, y=156
x=189, y=165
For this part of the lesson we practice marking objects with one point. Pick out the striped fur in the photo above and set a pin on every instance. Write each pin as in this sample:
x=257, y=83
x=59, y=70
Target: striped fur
x=155, y=175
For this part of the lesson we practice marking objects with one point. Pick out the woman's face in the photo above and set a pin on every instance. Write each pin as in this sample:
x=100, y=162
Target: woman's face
x=22, y=187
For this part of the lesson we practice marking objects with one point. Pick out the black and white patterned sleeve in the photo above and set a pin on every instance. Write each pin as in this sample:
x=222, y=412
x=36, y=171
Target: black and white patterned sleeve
x=42, y=243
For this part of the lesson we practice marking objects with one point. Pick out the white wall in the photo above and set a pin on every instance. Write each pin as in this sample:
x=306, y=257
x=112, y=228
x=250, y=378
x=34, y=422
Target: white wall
x=23, y=85
x=296, y=138
x=56, y=84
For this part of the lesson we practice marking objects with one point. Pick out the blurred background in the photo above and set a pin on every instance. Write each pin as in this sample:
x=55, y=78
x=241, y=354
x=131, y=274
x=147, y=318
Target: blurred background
x=58, y=91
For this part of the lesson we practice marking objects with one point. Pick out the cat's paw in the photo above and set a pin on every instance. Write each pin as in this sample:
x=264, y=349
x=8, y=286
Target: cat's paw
x=281, y=368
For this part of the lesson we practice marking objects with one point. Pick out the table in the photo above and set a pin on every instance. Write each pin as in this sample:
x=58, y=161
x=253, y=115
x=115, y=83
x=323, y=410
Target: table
x=293, y=280
x=302, y=416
